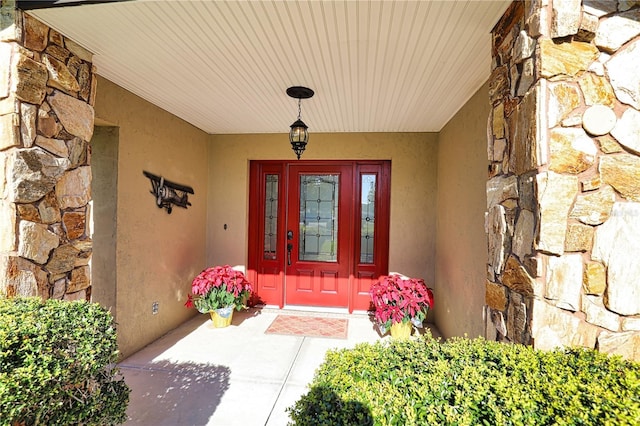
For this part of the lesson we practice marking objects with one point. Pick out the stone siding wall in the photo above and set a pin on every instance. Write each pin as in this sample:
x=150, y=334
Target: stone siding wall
x=46, y=122
x=563, y=195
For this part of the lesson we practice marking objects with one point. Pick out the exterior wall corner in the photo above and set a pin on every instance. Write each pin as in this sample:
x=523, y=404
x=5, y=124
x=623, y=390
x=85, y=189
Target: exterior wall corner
x=563, y=193
x=46, y=122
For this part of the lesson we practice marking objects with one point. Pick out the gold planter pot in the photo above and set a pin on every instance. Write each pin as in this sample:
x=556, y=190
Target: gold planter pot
x=222, y=317
x=401, y=330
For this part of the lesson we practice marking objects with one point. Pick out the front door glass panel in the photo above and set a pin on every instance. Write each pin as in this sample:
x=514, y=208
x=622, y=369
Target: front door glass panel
x=270, y=217
x=367, y=217
x=318, y=218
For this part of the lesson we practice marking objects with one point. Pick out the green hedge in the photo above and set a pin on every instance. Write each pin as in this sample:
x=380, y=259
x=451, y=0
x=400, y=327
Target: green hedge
x=469, y=382
x=57, y=364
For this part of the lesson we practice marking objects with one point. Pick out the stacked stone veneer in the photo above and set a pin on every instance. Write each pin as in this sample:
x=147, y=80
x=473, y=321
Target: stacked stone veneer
x=47, y=89
x=563, y=195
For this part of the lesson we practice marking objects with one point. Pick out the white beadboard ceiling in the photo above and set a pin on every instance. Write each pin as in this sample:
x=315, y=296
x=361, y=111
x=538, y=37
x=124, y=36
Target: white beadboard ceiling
x=224, y=66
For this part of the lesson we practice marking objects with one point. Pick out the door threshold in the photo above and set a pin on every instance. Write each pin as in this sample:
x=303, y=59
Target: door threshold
x=310, y=310
x=323, y=309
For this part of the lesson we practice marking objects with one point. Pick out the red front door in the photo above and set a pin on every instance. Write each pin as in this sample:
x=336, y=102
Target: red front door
x=318, y=231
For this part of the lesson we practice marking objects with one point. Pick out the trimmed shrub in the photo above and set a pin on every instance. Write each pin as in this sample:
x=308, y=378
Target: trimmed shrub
x=470, y=382
x=57, y=364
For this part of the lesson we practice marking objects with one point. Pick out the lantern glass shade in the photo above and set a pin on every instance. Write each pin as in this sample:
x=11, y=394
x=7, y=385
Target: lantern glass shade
x=298, y=136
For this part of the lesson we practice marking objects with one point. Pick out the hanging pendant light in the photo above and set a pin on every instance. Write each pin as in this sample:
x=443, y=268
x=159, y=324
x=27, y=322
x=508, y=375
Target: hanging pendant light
x=298, y=135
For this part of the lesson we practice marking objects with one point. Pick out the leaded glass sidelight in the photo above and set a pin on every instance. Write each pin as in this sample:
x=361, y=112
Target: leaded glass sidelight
x=318, y=218
x=367, y=217
x=271, y=217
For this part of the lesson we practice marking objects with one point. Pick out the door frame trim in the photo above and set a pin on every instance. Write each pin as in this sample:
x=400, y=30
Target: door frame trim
x=360, y=275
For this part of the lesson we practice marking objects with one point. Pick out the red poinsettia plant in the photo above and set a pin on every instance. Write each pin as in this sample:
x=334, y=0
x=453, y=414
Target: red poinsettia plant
x=219, y=287
x=399, y=299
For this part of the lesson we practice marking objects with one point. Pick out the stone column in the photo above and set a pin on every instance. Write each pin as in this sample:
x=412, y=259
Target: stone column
x=47, y=90
x=563, y=195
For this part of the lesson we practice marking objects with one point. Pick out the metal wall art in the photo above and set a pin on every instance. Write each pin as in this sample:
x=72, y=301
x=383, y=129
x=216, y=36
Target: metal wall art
x=168, y=193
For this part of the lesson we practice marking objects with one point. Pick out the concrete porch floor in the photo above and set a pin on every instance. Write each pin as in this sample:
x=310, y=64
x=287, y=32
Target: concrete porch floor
x=238, y=375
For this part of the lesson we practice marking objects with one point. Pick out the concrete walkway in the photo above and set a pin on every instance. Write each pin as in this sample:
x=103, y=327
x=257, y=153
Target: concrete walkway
x=238, y=375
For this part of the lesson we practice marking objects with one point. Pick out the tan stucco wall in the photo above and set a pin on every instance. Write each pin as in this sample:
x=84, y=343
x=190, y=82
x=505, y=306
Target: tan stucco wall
x=413, y=190
x=104, y=207
x=461, y=249
x=157, y=254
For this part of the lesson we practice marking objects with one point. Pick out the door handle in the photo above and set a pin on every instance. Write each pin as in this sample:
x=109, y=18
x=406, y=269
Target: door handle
x=289, y=246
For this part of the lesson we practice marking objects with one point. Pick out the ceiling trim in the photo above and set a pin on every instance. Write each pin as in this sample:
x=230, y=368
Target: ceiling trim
x=48, y=4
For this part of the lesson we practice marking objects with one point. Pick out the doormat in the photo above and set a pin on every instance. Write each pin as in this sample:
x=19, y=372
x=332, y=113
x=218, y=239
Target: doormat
x=333, y=328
